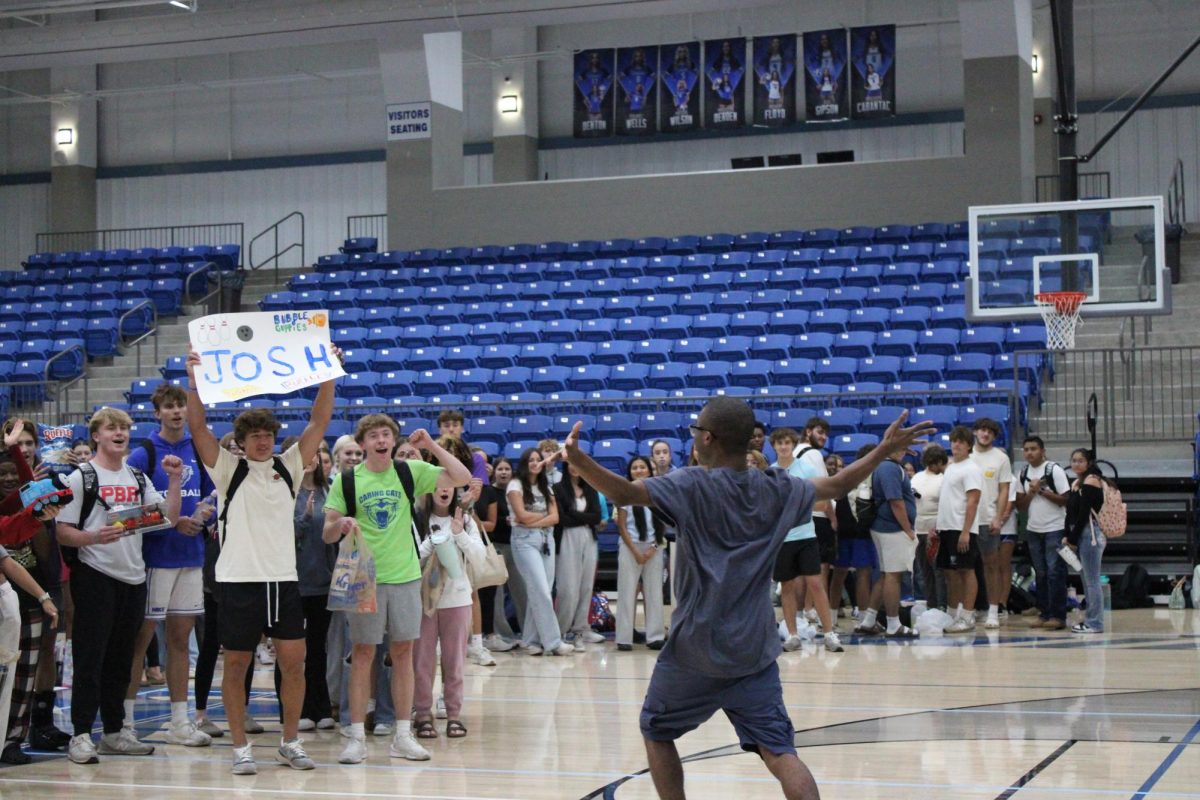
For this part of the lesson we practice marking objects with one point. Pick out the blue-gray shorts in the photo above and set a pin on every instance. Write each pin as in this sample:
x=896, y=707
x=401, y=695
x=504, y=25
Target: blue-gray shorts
x=680, y=700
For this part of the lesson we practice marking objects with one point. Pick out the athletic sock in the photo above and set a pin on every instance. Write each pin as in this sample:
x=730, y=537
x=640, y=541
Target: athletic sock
x=43, y=709
x=129, y=704
x=357, y=731
x=476, y=640
x=958, y=612
x=993, y=611
x=370, y=705
x=893, y=624
x=403, y=727
x=869, y=617
x=179, y=713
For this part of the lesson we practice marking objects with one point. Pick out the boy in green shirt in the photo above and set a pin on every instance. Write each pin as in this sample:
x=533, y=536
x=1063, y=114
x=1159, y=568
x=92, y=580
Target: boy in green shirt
x=382, y=512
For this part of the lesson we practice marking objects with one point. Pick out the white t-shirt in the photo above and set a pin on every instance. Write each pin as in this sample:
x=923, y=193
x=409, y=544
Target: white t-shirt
x=997, y=469
x=1044, y=516
x=815, y=459
x=1010, y=526
x=258, y=538
x=457, y=591
x=958, y=479
x=538, y=506
x=928, y=487
x=122, y=559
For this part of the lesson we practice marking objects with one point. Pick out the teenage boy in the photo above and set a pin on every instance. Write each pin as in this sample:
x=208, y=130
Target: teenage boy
x=958, y=545
x=731, y=521
x=893, y=535
x=108, y=582
x=174, y=563
x=799, y=560
x=1042, y=495
x=375, y=499
x=257, y=585
x=995, y=547
x=811, y=452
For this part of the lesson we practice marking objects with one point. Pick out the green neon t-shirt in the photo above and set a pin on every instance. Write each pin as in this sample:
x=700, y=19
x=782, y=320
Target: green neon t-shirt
x=385, y=518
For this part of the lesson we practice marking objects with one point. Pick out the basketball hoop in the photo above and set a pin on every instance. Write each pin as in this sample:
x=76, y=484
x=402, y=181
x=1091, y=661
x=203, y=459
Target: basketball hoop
x=1060, y=312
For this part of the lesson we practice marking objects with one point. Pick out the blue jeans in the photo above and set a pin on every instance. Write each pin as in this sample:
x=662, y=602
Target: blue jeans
x=533, y=552
x=1090, y=553
x=1051, y=574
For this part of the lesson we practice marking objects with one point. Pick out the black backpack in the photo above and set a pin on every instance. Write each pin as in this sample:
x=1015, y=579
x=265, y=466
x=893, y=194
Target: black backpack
x=88, y=499
x=239, y=474
x=404, y=473
x=1132, y=589
x=1047, y=477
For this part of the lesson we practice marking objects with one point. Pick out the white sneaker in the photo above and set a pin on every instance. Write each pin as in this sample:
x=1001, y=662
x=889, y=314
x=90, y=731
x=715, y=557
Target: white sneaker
x=292, y=754
x=243, y=760
x=578, y=646
x=355, y=752
x=211, y=728
x=533, y=650
x=563, y=649
x=1003, y=614
x=123, y=744
x=188, y=735
x=265, y=654
x=833, y=644
x=960, y=625
x=439, y=710
x=991, y=623
x=252, y=725
x=82, y=750
x=307, y=725
x=405, y=746
x=792, y=643
x=591, y=637
x=811, y=616
x=326, y=724
x=480, y=655
x=498, y=644
x=383, y=729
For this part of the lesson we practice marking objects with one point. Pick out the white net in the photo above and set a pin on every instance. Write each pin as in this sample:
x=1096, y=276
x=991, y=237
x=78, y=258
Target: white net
x=1060, y=312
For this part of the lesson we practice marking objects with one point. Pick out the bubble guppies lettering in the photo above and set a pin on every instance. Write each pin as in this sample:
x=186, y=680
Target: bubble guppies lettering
x=291, y=322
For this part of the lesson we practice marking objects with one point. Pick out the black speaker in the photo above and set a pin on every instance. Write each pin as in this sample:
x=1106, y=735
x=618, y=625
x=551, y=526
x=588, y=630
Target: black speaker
x=835, y=157
x=785, y=160
x=747, y=162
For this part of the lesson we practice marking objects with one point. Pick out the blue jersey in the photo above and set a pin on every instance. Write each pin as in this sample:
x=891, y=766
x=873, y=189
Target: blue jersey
x=169, y=549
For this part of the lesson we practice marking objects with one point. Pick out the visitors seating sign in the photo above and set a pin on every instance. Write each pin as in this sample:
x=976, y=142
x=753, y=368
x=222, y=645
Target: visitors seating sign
x=409, y=121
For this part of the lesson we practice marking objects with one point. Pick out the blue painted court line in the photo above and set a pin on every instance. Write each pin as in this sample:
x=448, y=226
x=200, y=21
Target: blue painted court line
x=1167, y=762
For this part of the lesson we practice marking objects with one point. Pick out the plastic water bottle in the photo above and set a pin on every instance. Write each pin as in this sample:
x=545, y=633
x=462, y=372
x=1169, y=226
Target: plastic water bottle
x=1106, y=590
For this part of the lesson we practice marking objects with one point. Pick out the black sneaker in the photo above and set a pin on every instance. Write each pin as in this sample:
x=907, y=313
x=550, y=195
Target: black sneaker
x=657, y=644
x=13, y=754
x=48, y=737
x=624, y=648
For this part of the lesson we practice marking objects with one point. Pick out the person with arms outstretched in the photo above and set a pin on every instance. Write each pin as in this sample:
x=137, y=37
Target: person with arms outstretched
x=721, y=654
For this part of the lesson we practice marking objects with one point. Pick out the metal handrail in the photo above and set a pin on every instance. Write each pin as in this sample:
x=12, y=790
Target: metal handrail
x=138, y=341
x=274, y=258
x=371, y=225
x=187, y=285
x=171, y=235
x=1177, y=196
x=61, y=386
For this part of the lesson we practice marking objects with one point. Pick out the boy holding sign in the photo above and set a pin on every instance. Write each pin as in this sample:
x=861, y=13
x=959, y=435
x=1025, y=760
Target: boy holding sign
x=257, y=583
x=375, y=499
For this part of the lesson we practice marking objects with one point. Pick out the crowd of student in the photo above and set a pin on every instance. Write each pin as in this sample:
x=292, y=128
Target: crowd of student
x=258, y=572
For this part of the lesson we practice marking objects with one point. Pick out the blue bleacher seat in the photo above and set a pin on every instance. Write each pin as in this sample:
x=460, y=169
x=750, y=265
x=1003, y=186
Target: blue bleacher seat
x=430, y=357
x=938, y=341
x=896, y=343
x=987, y=339
x=390, y=359
x=884, y=369
x=651, y=351
x=396, y=383
x=791, y=321
x=669, y=376
x=841, y=419
x=828, y=320
x=856, y=344
x=473, y=381
x=813, y=345
x=750, y=373
x=835, y=370
x=568, y=354
x=625, y=377
x=969, y=366
x=916, y=319
x=772, y=347
x=928, y=368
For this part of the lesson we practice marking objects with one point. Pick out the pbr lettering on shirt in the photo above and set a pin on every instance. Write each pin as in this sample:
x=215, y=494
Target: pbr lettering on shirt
x=120, y=495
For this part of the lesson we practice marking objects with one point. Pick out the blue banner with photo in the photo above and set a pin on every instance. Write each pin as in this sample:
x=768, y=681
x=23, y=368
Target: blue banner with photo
x=725, y=95
x=637, y=102
x=679, y=70
x=593, y=93
x=873, y=80
x=825, y=74
x=775, y=89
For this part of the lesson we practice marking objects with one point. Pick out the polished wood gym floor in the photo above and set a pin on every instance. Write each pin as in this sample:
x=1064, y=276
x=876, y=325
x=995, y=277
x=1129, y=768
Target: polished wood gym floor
x=1001, y=714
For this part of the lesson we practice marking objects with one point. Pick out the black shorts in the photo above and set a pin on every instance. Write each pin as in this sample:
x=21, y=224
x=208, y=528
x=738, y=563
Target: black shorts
x=798, y=558
x=948, y=556
x=827, y=538
x=245, y=611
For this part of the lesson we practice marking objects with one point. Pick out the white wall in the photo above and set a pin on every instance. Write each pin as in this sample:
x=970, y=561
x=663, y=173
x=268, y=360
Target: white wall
x=869, y=144
x=24, y=213
x=25, y=136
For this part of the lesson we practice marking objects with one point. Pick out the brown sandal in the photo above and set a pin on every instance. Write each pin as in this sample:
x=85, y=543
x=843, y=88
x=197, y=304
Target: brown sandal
x=425, y=729
x=455, y=729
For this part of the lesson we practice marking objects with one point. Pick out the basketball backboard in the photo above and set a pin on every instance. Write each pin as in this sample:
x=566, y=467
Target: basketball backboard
x=1110, y=249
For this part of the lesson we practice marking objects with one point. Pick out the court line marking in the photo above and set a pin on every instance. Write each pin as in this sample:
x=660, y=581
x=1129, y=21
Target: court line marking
x=1166, y=764
x=236, y=789
x=1033, y=773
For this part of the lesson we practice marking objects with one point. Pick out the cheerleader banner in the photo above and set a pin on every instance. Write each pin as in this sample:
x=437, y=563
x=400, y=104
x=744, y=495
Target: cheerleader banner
x=873, y=77
x=636, y=98
x=679, y=70
x=774, y=89
x=593, y=93
x=725, y=96
x=825, y=75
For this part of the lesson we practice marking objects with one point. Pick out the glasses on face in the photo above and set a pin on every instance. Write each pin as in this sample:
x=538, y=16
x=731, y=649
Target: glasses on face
x=703, y=430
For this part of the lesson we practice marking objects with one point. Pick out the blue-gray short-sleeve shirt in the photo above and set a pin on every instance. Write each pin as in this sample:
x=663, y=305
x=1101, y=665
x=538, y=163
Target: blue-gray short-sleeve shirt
x=730, y=525
x=890, y=482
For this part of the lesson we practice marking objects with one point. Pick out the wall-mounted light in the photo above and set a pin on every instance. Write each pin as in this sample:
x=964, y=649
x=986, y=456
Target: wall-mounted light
x=508, y=104
x=1035, y=63
x=186, y=5
x=65, y=136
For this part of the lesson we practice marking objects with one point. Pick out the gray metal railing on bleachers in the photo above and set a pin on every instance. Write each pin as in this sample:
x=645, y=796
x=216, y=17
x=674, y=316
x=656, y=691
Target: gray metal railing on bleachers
x=1146, y=394
x=271, y=234
x=134, y=238
x=1091, y=185
x=370, y=226
x=150, y=333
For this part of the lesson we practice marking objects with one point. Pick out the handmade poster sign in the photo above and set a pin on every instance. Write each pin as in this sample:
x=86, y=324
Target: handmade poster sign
x=261, y=352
